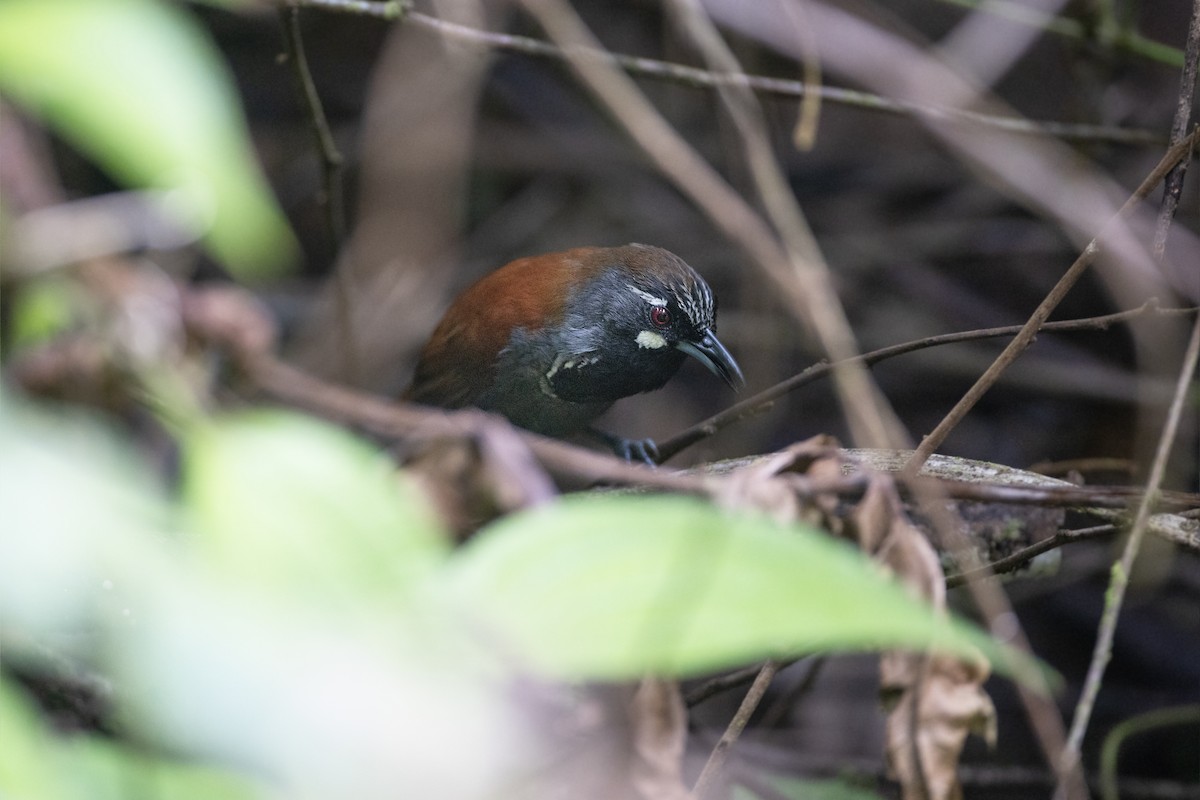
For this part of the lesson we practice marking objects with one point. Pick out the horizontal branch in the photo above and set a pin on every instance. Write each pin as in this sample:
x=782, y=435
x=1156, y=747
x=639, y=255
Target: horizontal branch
x=705, y=79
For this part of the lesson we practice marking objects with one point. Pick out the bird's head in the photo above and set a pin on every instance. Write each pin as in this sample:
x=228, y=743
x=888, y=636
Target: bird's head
x=632, y=321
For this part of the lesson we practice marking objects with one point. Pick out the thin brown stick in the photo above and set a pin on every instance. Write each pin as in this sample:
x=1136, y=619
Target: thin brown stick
x=764, y=399
x=1173, y=184
x=1023, y=556
x=380, y=417
x=783, y=705
x=1061, y=496
x=327, y=149
x=333, y=194
x=1115, y=596
x=710, y=775
x=1030, y=329
x=682, y=74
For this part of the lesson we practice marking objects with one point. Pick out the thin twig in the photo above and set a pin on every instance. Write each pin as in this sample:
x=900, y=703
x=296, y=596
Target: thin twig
x=332, y=195
x=1026, y=554
x=710, y=775
x=1030, y=329
x=1173, y=185
x=381, y=417
x=1124, y=568
x=382, y=9
x=695, y=77
x=1023, y=14
x=1060, y=496
x=764, y=399
x=989, y=779
x=730, y=680
x=327, y=149
x=787, y=702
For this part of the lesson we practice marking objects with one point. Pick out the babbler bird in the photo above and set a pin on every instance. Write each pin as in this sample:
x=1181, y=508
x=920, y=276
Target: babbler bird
x=552, y=341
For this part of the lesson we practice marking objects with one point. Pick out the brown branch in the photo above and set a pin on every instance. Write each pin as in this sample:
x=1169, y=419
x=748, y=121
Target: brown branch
x=380, y=417
x=710, y=775
x=764, y=399
x=327, y=149
x=332, y=196
x=1062, y=496
x=730, y=680
x=1026, y=554
x=697, y=78
x=1173, y=185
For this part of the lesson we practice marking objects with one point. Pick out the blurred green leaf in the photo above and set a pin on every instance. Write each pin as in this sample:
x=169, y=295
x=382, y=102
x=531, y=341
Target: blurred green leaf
x=291, y=504
x=106, y=770
x=44, y=309
x=27, y=770
x=137, y=86
x=614, y=587
x=802, y=789
x=73, y=501
x=37, y=764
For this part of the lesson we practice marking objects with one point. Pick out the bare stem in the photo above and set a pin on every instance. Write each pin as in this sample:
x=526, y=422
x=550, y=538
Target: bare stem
x=1124, y=568
x=711, y=773
x=682, y=74
x=332, y=196
x=1173, y=185
x=1030, y=329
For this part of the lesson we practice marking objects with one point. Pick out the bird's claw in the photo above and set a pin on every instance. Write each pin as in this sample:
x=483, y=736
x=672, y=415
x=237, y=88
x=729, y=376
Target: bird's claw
x=644, y=450
x=631, y=450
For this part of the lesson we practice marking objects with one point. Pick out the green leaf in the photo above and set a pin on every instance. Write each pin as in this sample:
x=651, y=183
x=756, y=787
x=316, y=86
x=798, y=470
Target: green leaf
x=137, y=86
x=44, y=309
x=105, y=770
x=35, y=764
x=806, y=789
x=614, y=587
x=27, y=771
x=73, y=501
x=298, y=506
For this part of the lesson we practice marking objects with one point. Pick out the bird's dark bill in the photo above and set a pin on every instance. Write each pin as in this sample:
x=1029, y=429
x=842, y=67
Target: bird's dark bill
x=712, y=354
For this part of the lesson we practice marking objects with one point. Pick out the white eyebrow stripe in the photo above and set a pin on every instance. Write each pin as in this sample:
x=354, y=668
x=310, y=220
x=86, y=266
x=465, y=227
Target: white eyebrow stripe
x=649, y=298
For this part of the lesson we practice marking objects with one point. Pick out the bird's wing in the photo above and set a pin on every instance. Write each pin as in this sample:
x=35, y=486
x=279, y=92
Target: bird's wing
x=455, y=368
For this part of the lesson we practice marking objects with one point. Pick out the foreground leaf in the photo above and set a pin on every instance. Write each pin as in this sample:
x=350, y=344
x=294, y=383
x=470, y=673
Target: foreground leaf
x=285, y=503
x=614, y=587
x=136, y=86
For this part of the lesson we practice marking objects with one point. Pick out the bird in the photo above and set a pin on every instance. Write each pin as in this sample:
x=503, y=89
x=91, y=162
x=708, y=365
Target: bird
x=552, y=341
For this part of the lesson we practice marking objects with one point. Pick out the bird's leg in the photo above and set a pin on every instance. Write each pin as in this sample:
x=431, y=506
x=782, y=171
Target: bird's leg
x=643, y=450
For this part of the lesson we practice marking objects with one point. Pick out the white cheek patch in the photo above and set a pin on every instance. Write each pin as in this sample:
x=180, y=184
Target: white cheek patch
x=651, y=340
x=649, y=298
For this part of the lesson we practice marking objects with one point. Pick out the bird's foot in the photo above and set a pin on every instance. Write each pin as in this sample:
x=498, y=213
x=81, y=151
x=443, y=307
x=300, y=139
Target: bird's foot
x=632, y=450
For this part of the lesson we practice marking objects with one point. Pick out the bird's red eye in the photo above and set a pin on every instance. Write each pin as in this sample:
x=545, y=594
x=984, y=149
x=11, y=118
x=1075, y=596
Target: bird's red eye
x=660, y=316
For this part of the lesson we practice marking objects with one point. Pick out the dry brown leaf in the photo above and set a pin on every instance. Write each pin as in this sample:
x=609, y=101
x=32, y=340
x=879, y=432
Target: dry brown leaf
x=933, y=702
x=776, y=485
x=474, y=480
x=923, y=749
x=658, y=732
